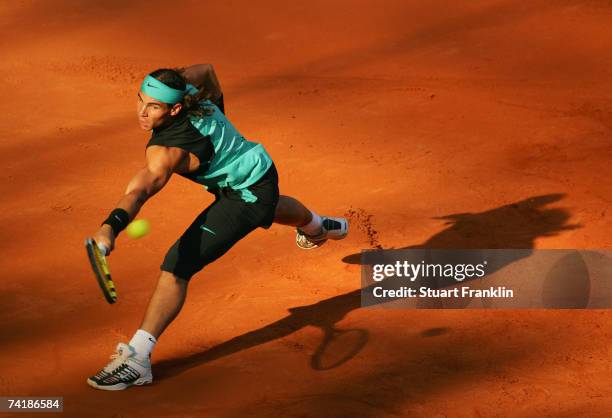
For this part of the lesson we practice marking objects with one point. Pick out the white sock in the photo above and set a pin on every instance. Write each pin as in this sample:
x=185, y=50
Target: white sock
x=313, y=227
x=143, y=343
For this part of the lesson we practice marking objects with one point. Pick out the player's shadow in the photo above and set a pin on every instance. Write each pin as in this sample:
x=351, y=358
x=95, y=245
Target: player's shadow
x=324, y=315
x=511, y=226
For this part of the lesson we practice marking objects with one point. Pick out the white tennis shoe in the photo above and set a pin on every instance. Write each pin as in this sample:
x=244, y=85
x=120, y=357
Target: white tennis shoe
x=125, y=370
x=331, y=228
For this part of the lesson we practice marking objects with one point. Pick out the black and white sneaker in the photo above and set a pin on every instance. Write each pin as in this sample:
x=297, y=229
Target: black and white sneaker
x=331, y=228
x=125, y=370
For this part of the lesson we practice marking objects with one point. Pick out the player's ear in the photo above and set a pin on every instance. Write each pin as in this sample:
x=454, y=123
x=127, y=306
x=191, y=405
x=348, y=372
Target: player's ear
x=176, y=109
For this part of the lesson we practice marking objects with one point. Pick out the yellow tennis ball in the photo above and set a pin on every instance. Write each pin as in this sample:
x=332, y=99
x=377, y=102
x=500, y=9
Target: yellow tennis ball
x=138, y=229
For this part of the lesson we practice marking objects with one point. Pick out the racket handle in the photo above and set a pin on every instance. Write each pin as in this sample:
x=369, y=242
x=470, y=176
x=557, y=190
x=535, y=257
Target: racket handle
x=103, y=248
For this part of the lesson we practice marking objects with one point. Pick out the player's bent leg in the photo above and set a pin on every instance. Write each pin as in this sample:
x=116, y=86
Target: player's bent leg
x=312, y=230
x=292, y=212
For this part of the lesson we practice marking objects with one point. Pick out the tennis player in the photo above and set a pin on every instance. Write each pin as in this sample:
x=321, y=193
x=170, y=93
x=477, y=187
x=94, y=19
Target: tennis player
x=192, y=137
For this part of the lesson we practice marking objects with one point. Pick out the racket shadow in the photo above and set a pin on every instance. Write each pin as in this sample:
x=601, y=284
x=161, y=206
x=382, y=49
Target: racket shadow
x=337, y=347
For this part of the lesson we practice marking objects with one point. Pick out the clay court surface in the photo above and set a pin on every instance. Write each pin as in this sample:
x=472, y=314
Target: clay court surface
x=437, y=124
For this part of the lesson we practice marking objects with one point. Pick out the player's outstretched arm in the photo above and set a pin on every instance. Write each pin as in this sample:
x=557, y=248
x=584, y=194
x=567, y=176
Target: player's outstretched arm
x=161, y=163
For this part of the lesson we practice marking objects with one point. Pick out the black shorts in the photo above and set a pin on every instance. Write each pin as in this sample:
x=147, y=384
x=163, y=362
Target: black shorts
x=227, y=220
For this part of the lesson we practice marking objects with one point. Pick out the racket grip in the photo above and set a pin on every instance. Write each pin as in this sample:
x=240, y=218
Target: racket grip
x=103, y=248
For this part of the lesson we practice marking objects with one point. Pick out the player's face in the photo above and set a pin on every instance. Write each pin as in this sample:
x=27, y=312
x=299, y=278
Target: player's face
x=152, y=113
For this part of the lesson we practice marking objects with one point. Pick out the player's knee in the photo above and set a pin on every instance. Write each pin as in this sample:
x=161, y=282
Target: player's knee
x=167, y=277
x=285, y=205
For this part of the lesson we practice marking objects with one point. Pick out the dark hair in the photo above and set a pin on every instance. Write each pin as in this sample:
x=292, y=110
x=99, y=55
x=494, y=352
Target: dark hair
x=191, y=102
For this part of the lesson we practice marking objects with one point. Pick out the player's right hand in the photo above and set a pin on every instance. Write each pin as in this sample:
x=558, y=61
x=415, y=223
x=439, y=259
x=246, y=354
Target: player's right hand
x=105, y=239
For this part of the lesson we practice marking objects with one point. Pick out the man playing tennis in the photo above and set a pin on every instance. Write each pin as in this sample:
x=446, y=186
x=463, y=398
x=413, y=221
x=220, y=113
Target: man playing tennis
x=192, y=137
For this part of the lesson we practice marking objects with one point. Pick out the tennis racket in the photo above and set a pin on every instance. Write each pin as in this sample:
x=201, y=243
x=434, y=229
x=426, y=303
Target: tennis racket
x=100, y=269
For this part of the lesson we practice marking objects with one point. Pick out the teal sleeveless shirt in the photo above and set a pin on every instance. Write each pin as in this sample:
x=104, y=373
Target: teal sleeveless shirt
x=227, y=159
